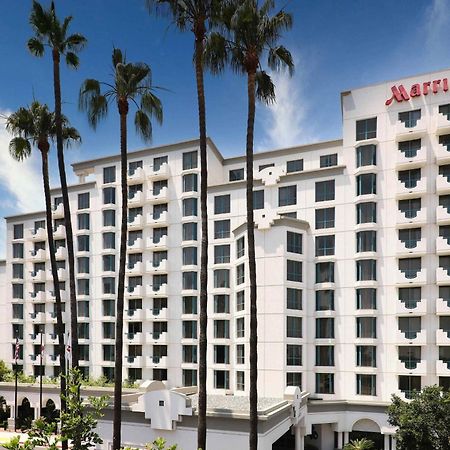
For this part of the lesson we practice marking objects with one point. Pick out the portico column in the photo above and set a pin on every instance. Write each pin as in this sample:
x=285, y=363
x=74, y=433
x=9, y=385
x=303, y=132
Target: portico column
x=299, y=437
x=386, y=442
x=346, y=437
x=394, y=443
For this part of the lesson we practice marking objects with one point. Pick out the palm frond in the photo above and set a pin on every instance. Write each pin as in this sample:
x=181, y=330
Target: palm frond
x=72, y=60
x=35, y=46
x=117, y=57
x=280, y=57
x=70, y=135
x=93, y=101
x=40, y=19
x=19, y=148
x=75, y=42
x=265, y=89
x=216, y=53
x=143, y=125
x=152, y=106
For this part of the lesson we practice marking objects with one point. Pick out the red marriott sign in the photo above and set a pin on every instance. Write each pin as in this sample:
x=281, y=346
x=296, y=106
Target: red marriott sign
x=399, y=93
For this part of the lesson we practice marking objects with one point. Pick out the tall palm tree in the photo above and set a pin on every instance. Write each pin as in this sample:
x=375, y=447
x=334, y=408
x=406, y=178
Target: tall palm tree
x=132, y=82
x=196, y=16
x=252, y=34
x=35, y=126
x=52, y=33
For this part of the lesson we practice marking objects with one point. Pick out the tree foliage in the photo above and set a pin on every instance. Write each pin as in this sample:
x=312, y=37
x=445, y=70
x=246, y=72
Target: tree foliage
x=157, y=444
x=423, y=422
x=360, y=444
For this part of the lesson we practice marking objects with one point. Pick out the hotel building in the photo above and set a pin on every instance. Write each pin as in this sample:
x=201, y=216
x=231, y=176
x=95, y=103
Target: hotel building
x=353, y=265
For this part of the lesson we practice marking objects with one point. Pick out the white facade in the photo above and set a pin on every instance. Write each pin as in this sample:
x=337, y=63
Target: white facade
x=353, y=306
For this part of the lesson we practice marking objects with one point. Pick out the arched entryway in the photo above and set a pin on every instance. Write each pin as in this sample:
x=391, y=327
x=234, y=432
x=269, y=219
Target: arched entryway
x=49, y=412
x=25, y=415
x=366, y=428
x=5, y=413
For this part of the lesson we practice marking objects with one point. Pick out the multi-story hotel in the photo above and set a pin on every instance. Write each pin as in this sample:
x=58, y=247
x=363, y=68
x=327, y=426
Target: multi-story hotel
x=353, y=265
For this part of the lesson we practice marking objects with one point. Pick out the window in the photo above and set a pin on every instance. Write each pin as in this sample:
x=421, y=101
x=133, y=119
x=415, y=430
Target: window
x=108, y=352
x=258, y=199
x=17, y=271
x=294, y=379
x=366, y=269
x=294, y=242
x=221, y=254
x=329, y=160
x=445, y=110
x=325, y=245
x=39, y=224
x=325, y=328
x=366, y=212
x=240, y=247
x=18, y=231
x=221, y=278
x=83, y=265
x=265, y=166
x=161, y=256
x=109, y=195
x=109, y=174
x=293, y=355
x=366, y=327
x=109, y=240
x=189, y=207
x=325, y=300
x=83, y=221
x=190, y=182
x=294, y=270
x=287, y=195
x=221, y=304
x=83, y=286
x=294, y=327
x=294, y=166
x=17, y=250
x=190, y=160
x=189, y=231
x=221, y=229
x=324, y=218
x=240, y=301
x=109, y=218
x=189, y=377
x=366, y=129
x=240, y=354
x=366, y=298
x=134, y=190
x=240, y=327
x=445, y=171
x=83, y=200
x=324, y=190
x=109, y=308
x=83, y=309
x=325, y=383
x=294, y=299
x=366, y=184
x=158, y=211
x=409, y=178
x=221, y=379
x=221, y=354
x=236, y=174
x=158, y=234
x=410, y=148
x=109, y=285
x=411, y=207
x=240, y=380
x=411, y=236
x=83, y=243
x=189, y=329
x=325, y=272
x=366, y=155
x=412, y=295
x=366, y=356
x=221, y=329
x=158, y=162
x=410, y=266
x=366, y=241
x=17, y=291
x=109, y=263
x=409, y=118
x=189, y=256
x=189, y=354
x=221, y=204
x=240, y=274
x=408, y=384
x=324, y=355
x=366, y=384
x=158, y=186
x=190, y=280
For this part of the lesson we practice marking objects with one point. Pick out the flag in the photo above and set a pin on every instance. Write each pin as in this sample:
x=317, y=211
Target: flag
x=68, y=348
x=17, y=351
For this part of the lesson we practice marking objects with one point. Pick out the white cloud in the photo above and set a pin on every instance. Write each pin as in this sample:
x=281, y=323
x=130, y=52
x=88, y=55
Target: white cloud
x=436, y=23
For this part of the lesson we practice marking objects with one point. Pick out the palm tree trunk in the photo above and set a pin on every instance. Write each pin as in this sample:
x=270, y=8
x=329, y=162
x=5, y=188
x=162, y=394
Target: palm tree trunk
x=202, y=404
x=123, y=110
x=253, y=440
x=58, y=306
x=66, y=204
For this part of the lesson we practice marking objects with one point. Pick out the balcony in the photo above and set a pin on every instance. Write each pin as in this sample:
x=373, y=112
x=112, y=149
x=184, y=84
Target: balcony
x=135, y=314
x=38, y=296
x=59, y=232
x=58, y=212
x=442, y=215
x=412, y=277
x=53, y=360
x=412, y=247
x=442, y=245
x=157, y=290
x=159, y=174
x=51, y=317
x=158, y=197
x=52, y=298
x=419, y=189
x=134, y=361
x=413, y=337
x=137, y=291
x=412, y=367
x=136, y=269
x=442, y=184
x=419, y=310
x=442, y=307
x=38, y=317
x=157, y=221
x=442, y=368
x=162, y=267
x=156, y=313
x=136, y=246
x=136, y=200
x=36, y=359
x=157, y=337
x=411, y=162
x=39, y=276
x=442, y=276
x=442, y=153
x=38, y=235
x=442, y=124
x=38, y=255
x=157, y=361
x=161, y=244
x=134, y=338
x=62, y=275
x=36, y=338
x=137, y=176
x=442, y=337
x=61, y=253
x=403, y=133
x=136, y=223
x=52, y=339
x=411, y=217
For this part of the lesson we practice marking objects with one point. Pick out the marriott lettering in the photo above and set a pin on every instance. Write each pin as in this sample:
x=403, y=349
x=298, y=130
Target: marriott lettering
x=399, y=93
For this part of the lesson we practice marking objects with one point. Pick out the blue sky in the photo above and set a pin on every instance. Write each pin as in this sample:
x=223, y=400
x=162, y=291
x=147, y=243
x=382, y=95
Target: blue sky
x=337, y=45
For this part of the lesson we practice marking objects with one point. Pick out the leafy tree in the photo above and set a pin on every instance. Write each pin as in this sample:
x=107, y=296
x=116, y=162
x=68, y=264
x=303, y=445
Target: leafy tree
x=360, y=444
x=50, y=32
x=132, y=82
x=422, y=423
x=157, y=444
x=5, y=371
x=252, y=34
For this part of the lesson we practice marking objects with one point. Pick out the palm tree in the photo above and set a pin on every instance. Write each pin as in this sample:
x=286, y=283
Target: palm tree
x=252, y=34
x=132, y=81
x=197, y=15
x=360, y=444
x=51, y=32
x=36, y=126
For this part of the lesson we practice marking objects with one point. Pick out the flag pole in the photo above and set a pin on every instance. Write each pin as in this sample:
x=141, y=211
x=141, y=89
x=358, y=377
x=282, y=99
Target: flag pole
x=40, y=378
